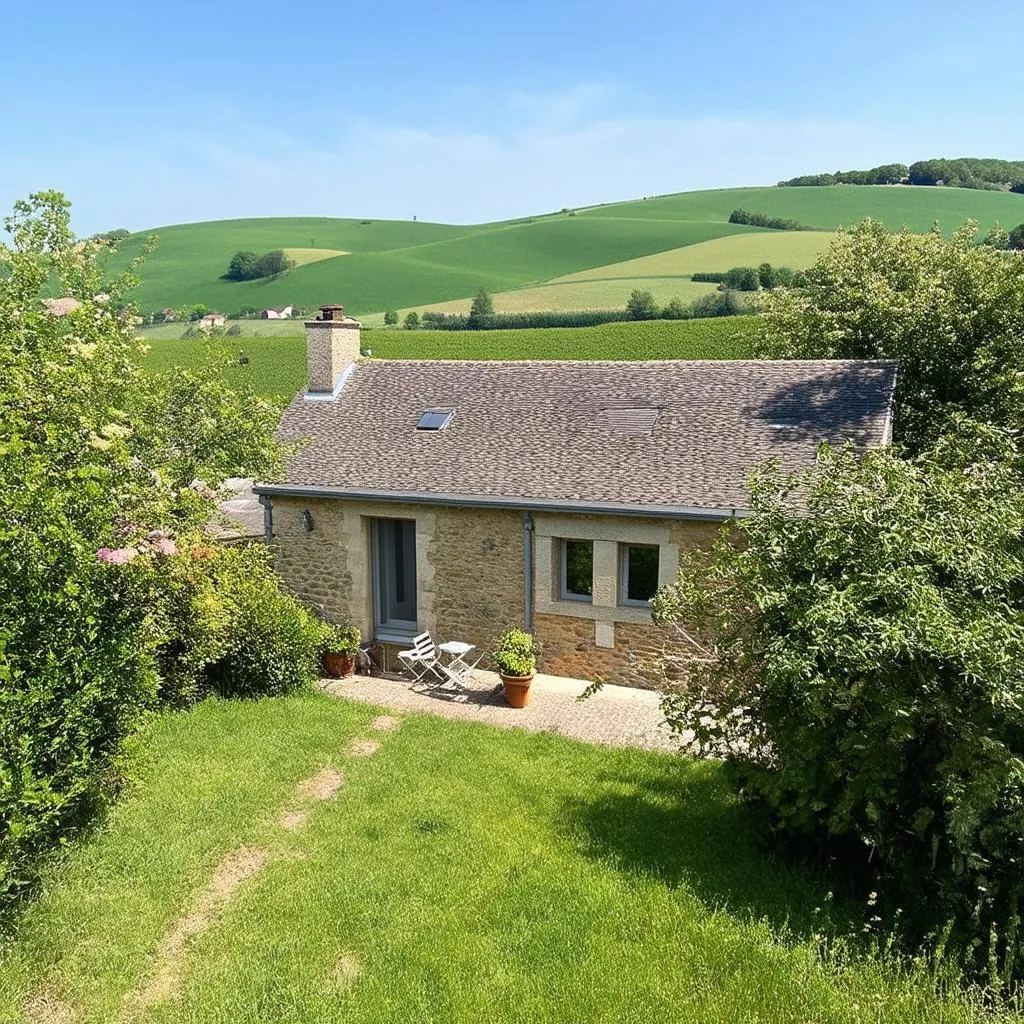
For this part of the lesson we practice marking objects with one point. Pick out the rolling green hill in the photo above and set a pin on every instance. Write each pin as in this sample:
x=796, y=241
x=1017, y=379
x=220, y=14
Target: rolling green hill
x=404, y=264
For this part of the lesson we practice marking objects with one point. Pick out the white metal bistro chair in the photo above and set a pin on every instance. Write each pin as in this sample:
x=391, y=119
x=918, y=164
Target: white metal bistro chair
x=421, y=660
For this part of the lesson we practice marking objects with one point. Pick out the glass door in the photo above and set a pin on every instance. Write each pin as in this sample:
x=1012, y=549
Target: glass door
x=394, y=578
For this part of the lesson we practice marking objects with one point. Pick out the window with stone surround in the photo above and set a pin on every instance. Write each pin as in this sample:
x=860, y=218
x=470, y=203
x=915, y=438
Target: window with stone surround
x=638, y=573
x=576, y=575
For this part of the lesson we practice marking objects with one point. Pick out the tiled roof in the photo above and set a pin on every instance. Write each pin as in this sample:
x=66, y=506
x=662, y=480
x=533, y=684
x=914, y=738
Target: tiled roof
x=550, y=430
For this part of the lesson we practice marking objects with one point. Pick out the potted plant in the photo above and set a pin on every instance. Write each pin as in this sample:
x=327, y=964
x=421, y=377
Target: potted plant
x=341, y=650
x=515, y=653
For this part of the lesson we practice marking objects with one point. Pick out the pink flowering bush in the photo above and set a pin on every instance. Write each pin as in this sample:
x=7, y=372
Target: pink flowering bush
x=97, y=520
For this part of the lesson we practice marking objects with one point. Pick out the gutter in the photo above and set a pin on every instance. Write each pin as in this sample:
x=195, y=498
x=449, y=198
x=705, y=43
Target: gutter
x=528, y=571
x=485, y=501
x=268, y=517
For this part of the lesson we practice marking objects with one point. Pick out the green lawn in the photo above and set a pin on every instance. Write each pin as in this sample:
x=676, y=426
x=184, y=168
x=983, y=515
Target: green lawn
x=461, y=874
x=277, y=362
x=404, y=264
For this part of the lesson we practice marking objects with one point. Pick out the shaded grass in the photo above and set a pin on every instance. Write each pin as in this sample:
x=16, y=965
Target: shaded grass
x=463, y=874
x=277, y=365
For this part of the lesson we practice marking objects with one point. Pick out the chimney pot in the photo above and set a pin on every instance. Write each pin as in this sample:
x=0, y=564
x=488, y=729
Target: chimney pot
x=332, y=346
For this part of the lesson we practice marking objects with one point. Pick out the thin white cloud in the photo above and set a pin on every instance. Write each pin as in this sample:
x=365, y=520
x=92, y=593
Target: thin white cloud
x=542, y=153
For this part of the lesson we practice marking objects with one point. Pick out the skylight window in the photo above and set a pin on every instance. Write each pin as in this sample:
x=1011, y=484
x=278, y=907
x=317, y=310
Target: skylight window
x=435, y=419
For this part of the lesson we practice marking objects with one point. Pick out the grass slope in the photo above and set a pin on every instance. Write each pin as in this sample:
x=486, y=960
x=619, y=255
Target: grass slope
x=277, y=364
x=441, y=884
x=404, y=264
x=896, y=206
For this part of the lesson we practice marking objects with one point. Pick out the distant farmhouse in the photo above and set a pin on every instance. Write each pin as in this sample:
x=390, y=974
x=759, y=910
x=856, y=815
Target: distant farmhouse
x=167, y=315
x=213, y=320
x=276, y=312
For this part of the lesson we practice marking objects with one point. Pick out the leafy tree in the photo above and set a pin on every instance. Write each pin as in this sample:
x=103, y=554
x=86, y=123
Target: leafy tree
x=1015, y=238
x=243, y=266
x=723, y=303
x=1018, y=187
x=273, y=263
x=391, y=318
x=676, y=310
x=641, y=305
x=951, y=312
x=96, y=505
x=855, y=652
x=412, y=321
x=996, y=238
x=481, y=309
x=743, y=279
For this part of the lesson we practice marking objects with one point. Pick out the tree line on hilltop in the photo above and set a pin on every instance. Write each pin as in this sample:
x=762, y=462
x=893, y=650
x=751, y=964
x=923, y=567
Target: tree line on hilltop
x=963, y=172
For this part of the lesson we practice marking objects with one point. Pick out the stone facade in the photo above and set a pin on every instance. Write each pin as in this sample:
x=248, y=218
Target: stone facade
x=470, y=580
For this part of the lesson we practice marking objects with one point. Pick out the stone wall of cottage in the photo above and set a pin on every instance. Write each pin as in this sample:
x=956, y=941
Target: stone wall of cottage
x=470, y=577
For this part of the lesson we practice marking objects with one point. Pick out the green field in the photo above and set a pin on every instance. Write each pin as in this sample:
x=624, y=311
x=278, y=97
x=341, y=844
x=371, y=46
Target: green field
x=402, y=264
x=460, y=874
x=277, y=364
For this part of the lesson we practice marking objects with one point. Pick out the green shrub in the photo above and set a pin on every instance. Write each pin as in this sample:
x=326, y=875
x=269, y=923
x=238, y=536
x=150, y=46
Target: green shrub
x=515, y=653
x=391, y=318
x=641, y=305
x=412, y=321
x=858, y=660
x=724, y=303
x=763, y=220
x=230, y=630
x=344, y=639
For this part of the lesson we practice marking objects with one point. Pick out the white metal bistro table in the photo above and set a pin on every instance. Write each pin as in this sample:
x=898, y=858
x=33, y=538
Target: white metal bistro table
x=456, y=668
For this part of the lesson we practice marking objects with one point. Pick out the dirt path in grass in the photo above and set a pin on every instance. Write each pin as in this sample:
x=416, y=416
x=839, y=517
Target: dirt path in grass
x=166, y=979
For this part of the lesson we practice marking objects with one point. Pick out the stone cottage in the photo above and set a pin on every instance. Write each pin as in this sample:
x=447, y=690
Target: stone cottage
x=460, y=497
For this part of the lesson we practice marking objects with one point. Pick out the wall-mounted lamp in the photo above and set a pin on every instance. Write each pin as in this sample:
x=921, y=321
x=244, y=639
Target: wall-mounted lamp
x=307, y=521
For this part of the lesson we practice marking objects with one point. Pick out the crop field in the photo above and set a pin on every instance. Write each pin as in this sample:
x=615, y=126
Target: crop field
x=611, y=293
x=277, y=364
x=303, y=257
x=371, y=266
x=796, y=249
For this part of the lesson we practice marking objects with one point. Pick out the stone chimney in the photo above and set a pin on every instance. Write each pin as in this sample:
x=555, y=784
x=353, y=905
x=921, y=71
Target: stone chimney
x=332, y=346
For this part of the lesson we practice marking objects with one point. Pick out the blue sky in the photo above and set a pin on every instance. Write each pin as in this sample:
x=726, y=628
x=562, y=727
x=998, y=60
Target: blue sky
x=150, y=113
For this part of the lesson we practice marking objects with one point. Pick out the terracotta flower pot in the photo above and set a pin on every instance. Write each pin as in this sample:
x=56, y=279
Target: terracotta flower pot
x=517, y=690
x=339, y=665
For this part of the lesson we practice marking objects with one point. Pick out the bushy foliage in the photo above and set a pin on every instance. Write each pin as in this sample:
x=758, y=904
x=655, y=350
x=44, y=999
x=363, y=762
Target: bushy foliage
x=641, y=305
x=229, y=629
x=515, y=653
x=412, y=320
x=855, y=651
x=742, y=279
x=965, y=172
x=722, y=303
x=481, y=310
x=1015, y=238
x=391, y=318
x=763, y=220
x=885, y=174
x=676, y=309
x=951, y=312
x=97, y=461
x=249, y=266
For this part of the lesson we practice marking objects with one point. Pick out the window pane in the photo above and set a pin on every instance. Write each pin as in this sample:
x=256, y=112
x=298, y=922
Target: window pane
x=641, y=573
x=579, y=567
